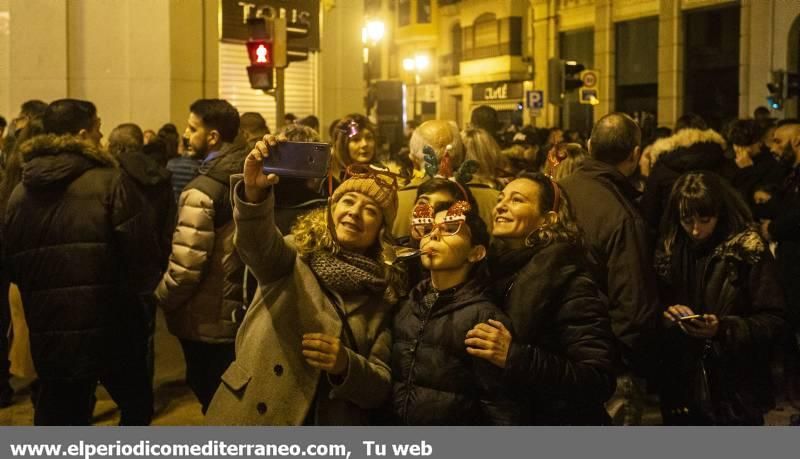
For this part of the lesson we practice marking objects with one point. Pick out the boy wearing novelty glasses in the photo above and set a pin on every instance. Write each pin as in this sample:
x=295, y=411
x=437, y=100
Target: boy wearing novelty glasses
x=435, y=381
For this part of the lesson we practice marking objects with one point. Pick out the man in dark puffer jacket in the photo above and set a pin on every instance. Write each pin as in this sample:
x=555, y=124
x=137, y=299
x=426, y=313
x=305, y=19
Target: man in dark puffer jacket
x=436, y=382
x=75, y=235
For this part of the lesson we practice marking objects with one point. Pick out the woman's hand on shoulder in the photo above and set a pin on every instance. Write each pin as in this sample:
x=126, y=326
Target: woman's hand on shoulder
x=256, y=183
x=489, y=341
x=326, y=353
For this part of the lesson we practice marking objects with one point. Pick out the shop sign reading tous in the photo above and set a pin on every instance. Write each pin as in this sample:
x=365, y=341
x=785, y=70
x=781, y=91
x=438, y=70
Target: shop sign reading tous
x=301, y=13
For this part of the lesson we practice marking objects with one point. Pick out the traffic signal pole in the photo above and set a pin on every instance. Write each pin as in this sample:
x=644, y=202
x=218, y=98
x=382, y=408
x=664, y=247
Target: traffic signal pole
x=280, y=93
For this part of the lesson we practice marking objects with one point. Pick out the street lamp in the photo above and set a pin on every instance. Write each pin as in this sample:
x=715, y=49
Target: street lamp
x=417, y=64
x=371, y=34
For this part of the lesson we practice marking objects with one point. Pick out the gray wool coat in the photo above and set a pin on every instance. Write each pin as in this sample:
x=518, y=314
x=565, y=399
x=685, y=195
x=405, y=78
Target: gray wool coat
x=270, y=383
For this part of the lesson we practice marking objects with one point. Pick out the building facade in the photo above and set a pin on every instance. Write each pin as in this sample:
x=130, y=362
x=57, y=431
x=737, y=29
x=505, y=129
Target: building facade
x=656, y=59
x=146, y=61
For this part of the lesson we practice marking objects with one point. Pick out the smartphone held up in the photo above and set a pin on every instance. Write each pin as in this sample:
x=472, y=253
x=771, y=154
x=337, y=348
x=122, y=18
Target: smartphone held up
x=298, y=159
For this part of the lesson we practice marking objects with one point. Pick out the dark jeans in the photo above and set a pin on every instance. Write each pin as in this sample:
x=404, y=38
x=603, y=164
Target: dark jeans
x=127, y=380
x=205, y=363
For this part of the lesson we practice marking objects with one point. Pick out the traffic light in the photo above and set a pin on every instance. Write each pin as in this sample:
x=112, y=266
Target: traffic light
x=563, y=76
x=776, y=90
x=572, y=75
x=260, y=51
x=286, y=48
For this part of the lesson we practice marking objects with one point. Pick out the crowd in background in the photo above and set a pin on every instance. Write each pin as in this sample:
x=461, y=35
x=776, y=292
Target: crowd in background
x=481, y=274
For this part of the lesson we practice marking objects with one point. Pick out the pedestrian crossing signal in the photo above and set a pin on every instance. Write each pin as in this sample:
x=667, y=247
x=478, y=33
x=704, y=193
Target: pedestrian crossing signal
x=260, y=77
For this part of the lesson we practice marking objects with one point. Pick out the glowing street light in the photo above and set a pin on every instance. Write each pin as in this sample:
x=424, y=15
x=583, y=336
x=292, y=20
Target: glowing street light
x=418, y=63
x=373, y=32
x=421, y=62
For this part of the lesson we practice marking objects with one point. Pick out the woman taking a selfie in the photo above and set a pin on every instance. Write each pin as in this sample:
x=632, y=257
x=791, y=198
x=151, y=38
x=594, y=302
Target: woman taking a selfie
x=314, y=345
x=723, y=307
x=560, y=359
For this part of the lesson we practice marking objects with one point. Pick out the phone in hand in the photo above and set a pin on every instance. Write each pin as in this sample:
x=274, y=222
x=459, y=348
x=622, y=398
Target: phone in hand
x=690, y=317
x=298, y=159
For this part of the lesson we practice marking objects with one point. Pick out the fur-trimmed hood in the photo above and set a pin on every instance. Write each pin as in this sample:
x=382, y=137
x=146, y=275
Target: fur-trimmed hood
x=52, y=160
x=746, y=247
x=688, y=147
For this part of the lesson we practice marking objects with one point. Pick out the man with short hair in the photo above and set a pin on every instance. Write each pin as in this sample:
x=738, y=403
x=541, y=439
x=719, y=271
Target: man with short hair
x=616, y=235
x=755, y=167
x=201, y=292
x=76, y=235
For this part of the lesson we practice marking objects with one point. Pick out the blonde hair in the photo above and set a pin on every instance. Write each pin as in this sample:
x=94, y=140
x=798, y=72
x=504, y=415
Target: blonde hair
x=481, y=147
x=311, y=234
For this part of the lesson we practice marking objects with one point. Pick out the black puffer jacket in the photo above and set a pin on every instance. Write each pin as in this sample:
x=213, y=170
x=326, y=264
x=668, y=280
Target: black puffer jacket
x=435, y=381
x=77, y=242
x=739, y=284
x=688, y=150
x=154, y=182
x=562, y=356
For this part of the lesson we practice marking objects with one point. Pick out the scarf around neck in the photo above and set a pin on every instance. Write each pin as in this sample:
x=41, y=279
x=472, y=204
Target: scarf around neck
x=347, y=272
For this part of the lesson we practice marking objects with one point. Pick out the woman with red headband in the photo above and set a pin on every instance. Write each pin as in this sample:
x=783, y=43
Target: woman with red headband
x=560, y=357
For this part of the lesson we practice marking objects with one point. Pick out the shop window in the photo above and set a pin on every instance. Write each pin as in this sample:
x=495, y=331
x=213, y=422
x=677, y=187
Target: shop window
x=637, y=68
x=711, y=79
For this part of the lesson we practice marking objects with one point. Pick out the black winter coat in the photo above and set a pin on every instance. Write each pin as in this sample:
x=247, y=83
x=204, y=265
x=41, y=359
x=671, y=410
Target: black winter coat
x=77, y=243
x=155, y=184
x=563, y=353
x=688, y=150
x=785, y=230
x=435, y=381
x=740, y=286
x=617, y=238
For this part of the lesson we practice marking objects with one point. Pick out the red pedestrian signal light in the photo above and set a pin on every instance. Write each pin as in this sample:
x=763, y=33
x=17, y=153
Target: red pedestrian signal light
x=260, y=53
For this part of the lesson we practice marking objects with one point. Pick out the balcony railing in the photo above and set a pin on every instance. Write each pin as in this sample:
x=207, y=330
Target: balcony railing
x=500, y=49
x=449, y=64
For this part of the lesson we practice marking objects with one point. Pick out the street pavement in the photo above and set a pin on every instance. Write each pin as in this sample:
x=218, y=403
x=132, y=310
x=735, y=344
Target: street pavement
x=176, y=405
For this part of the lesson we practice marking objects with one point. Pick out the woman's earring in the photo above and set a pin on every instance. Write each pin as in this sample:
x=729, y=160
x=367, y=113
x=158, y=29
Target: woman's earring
x=530, y=240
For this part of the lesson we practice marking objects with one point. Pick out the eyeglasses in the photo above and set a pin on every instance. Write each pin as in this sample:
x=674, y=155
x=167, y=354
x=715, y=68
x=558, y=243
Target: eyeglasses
x=422, y=220
x=447, y=228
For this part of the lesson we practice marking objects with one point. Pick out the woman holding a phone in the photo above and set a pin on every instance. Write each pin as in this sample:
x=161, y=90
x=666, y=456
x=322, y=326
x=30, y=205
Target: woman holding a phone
x=723, y=307
x=314, y=345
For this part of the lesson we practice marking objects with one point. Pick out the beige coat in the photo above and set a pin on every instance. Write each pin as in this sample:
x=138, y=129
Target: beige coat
x=19, y=354
x=270, y=383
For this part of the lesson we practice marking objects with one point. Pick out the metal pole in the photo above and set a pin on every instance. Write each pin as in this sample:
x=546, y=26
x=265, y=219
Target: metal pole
x=280, y=107
x=368, y=74
x=416, y=87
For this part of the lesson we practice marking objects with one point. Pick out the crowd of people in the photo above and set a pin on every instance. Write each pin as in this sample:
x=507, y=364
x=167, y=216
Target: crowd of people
x=478, y=276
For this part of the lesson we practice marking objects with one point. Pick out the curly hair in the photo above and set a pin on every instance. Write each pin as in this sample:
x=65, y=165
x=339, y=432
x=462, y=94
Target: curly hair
x=311, y=233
